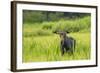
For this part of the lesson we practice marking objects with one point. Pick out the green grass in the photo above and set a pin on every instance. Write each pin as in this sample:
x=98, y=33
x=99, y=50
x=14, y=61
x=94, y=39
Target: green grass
x=47, y=48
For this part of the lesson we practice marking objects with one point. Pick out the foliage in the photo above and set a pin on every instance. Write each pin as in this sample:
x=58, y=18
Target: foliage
x=73, y=25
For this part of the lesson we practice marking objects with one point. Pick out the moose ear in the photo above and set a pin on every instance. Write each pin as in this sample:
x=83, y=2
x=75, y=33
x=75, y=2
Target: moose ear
x=54, y=32
x=67, y=32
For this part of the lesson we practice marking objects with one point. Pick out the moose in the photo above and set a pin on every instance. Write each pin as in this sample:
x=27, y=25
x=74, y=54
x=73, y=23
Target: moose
x=67, y=44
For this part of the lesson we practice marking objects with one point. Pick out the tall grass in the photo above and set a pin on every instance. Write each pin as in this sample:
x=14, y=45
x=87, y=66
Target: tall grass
x=47, y=48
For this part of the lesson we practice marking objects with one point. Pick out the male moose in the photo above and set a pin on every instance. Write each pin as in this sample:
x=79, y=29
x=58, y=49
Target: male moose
x=67, y=43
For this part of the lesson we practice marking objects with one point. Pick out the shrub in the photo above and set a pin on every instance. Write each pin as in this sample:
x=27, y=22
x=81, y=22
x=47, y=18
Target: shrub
x=38, y=32
x=46, y=28
x=48, y=25
x=73, y=25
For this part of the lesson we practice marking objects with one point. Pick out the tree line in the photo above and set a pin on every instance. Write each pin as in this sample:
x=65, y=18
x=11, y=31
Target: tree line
x=31, y=16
